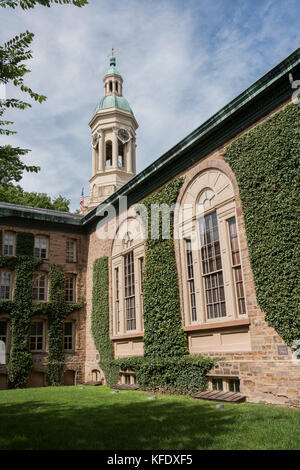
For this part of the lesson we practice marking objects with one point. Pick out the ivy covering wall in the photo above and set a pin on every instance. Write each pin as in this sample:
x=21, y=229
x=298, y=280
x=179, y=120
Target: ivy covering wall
x=166, y=364
x=22, y=308
x=100, y=320
x=266, y=165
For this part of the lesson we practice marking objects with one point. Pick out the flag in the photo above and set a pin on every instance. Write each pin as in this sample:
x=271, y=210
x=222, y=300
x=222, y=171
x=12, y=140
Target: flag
x=82, y=200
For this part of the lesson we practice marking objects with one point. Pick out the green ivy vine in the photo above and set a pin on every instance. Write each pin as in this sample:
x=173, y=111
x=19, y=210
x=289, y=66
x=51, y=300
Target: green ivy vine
x=100, y=320
x=266, y=164
x=22, y=308
x=166, y=364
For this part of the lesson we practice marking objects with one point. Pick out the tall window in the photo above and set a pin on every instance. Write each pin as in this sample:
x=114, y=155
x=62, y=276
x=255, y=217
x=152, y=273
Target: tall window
x=3, y=341
x=70, y=251
x=121, y=148
x=212, y=267
x=108, y=153
x=9, y=243
x=190, y=278
x=129, y=291
x=3, y=331
x=36, y=340
x=70, y=288
x=236, y=266
x=39, y=287
x=141, y=272
x=127, y=278
x=6, y=285
x=41, y=247
x=68, y=336
x=212, y=278
x=117, y=297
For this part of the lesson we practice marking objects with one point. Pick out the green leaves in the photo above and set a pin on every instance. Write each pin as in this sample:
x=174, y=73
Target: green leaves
x=266, y=164
x=100, y=320
x=166, y=365
x=12, y=70
x=16, y=195
x=27, y=4
x=164, y=336
x=20, y=360
x=22, y=309
x=181, y=375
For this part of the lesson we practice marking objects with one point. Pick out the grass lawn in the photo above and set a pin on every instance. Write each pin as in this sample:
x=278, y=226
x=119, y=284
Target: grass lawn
x=95, y=418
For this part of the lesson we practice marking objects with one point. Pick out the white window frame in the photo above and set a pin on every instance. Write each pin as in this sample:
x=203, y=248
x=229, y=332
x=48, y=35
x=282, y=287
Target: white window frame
x=5, y=338
x=73, y=290
x=121, y=247
x=4, y=272
x=73, y=333
x=71, y=255
x=38, y=247
x=37, y=277
x=189, y=229
x=11, y=247
x=43, y=336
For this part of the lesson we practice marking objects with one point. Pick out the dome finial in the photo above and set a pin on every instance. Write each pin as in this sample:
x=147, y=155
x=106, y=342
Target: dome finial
x=112, y=60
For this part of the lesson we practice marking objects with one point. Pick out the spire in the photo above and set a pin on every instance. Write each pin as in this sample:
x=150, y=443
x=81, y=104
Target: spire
x=112, y=66
x=112, y=79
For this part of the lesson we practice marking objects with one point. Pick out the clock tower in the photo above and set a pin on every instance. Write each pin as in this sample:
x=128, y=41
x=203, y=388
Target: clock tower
x=113, y=127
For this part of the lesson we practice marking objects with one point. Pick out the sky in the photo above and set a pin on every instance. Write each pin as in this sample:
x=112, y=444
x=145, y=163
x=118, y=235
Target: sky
x=181, y=61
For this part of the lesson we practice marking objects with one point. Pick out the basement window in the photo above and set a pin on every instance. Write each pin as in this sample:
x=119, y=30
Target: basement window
x=217, y=384
x=225, y=384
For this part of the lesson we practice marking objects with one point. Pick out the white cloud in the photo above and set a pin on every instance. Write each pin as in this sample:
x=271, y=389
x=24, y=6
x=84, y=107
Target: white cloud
x=180, y=61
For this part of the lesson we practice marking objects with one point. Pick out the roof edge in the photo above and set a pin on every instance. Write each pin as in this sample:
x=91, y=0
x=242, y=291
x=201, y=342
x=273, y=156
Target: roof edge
x=225, y=113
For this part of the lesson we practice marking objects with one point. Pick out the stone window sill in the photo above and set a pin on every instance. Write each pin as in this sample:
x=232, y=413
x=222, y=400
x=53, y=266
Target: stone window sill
x=217, y=325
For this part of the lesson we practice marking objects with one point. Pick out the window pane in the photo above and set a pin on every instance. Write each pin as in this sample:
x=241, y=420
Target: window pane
x=39, y=290
x=9, y=243
x=190, y=278
x=70, y=251
x=5, y=288
x=70, y=289
x=129, y=291
x=212, y=267
x=41, y=247
x=235, y=253
x=68, y=328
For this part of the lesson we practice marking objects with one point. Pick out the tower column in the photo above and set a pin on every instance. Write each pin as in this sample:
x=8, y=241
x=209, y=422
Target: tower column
x=101, y=151
x=129, y=157
x=115, y=149
x=94, y=161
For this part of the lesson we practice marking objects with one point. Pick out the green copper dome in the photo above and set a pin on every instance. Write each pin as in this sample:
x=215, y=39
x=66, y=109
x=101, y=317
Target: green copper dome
x=113, y=101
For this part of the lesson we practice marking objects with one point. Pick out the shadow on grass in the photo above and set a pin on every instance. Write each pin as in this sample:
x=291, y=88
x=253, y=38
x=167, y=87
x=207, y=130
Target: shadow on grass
x=113, y=426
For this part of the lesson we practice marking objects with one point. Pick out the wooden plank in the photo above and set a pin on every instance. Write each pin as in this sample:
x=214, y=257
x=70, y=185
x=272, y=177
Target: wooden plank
x=230, y=397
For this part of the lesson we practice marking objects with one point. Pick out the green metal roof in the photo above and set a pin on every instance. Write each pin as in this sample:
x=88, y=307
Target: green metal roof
x=256, y=101
x=113, y=101
x=112, y=69
x=259, y=99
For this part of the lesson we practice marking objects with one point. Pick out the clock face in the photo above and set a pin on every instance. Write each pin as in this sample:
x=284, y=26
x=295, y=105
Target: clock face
x=123, y=135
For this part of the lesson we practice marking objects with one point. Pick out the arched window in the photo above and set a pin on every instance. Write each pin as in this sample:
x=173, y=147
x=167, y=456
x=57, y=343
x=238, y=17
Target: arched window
x=209, y=250
x=108, y=153
x=121, y=149
x=3, y=340
x=96, y=376
x=110, y=87
x=127, y=259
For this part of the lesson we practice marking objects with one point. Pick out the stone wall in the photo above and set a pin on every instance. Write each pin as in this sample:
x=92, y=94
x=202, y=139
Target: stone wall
x=74, y=361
